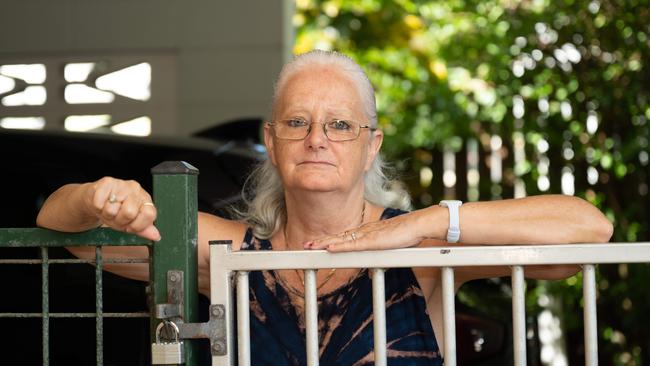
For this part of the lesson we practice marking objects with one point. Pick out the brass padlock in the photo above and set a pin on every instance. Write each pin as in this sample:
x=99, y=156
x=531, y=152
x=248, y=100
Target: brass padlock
x=167, y=353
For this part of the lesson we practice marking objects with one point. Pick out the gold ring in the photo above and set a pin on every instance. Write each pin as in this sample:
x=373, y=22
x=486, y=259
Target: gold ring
x=148, y=204
x=354, y=236
x=112, y=198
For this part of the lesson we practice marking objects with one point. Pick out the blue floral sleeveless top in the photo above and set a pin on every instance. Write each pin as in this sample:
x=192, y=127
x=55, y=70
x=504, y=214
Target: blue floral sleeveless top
x=345, y=321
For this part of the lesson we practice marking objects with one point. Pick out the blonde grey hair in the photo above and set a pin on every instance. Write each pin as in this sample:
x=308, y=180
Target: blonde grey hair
x=335, y=60
x=263, y=194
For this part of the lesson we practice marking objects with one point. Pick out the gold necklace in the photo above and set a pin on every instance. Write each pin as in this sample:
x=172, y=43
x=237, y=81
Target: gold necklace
x=333, y=270
x=329, y=276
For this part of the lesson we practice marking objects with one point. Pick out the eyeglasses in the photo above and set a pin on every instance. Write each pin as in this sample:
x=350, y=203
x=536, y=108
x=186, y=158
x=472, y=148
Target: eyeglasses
x=335, y=130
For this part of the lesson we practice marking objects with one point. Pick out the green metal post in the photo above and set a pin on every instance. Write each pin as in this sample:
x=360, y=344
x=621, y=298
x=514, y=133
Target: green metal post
x=175, y=195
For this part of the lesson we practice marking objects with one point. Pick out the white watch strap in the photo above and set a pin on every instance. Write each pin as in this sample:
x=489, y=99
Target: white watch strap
x=453, y=233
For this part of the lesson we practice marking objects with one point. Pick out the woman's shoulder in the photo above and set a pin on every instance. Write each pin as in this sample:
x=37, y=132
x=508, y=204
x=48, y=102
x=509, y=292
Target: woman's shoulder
x=213, y=227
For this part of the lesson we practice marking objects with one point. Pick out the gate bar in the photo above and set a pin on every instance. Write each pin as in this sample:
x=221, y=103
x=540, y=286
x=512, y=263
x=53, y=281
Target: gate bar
x=591, y=328
x=519, y=315
x=449, y=316
x=221, y=293
x=379, y=315
x=99, y=310
x=243, y=319
x=45, y=304
x=311, y=317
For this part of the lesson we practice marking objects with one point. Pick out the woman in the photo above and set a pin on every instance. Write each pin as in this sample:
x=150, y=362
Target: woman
x=323, y=188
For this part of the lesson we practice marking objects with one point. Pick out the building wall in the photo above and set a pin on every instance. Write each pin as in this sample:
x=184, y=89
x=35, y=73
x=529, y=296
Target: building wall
x=222, y=56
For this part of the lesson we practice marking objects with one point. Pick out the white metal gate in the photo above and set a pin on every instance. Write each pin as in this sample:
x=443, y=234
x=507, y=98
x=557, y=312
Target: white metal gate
x=226, y=263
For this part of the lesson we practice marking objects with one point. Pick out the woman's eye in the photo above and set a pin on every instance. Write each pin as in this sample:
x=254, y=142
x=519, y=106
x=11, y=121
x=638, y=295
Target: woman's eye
x=296, y=123
x=340, y=125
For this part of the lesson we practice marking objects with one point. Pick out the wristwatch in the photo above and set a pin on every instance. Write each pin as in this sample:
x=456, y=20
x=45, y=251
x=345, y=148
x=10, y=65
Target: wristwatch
x=453, y=233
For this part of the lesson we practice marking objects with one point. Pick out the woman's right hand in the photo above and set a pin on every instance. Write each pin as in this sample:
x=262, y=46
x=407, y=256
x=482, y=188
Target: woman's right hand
x=122, y=205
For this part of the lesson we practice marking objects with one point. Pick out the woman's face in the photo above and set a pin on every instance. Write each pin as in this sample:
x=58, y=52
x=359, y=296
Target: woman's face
x=319, y=94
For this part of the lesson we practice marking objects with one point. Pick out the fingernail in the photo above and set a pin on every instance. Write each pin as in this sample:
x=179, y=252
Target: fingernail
x=157, y=232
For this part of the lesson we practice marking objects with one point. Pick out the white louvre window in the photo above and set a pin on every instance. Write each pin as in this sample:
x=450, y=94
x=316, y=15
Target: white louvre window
x=140, y=126
x=21, y=84
x=78, y=72
x=30, y=73
x=87, y=123
x=132, y=82
x=95, y=94
x=22, y=123
x=31, y=95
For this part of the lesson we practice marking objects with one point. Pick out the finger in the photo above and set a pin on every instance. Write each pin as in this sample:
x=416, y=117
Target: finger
x=146, y=217
x=146, y=197
x=346, y=246
x=354, y=245
x=375, y=240
x=109, y=211
x=128, y=210
x=101, y=192
x=346, y=237
x=150, y=232
x=323, y=243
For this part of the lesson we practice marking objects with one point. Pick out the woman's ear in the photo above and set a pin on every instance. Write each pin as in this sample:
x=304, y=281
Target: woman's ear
x=374, y=145
x=268, y=142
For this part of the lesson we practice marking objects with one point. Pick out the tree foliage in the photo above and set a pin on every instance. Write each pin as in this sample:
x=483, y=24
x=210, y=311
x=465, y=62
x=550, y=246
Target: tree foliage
x=569, y=77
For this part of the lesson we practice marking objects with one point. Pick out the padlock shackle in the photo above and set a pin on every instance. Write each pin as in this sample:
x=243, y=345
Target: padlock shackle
x=166, y=323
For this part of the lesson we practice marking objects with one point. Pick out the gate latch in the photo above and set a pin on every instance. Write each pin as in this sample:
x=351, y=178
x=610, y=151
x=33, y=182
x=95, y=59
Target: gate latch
x=214, y=329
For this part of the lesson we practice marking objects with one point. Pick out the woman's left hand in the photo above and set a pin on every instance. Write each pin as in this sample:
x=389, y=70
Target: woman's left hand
x=398, y=232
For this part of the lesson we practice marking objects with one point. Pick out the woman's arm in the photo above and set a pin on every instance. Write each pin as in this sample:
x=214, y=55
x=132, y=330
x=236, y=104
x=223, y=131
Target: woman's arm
x=121, y=205
x=80, y=207
x=533, y=220
x=549, y=219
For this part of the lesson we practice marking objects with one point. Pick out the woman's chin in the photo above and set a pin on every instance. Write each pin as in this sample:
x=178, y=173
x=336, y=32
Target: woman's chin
x=315, y=180
x=318, y=187
x=316, y=184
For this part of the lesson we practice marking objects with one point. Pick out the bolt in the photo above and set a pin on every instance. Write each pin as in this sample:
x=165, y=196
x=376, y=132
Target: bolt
x=217, y=311
x=173, y=277
x=219, y=347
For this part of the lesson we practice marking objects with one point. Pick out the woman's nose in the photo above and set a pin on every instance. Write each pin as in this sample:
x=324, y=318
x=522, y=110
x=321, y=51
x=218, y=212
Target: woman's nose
x=316, y=136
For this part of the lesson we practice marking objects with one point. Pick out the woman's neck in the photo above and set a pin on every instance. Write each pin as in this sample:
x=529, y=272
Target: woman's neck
x=317, y=215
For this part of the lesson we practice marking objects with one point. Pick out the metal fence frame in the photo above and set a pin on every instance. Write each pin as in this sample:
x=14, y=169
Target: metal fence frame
x=227, y=264
x=175, y=188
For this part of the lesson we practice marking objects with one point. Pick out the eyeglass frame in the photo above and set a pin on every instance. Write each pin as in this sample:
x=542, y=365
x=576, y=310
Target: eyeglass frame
x=324, y=124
